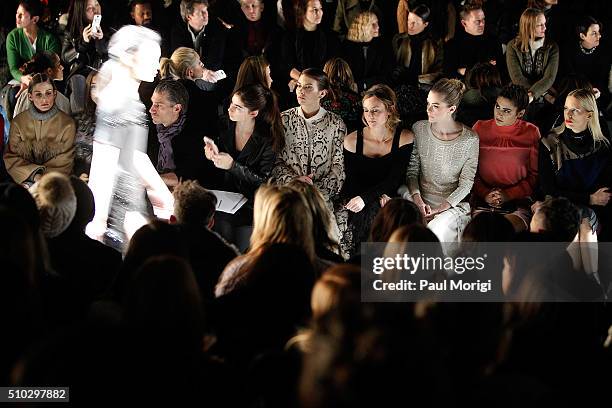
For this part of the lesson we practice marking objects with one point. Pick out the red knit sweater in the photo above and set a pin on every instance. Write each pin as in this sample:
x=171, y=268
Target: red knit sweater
x=508, y=158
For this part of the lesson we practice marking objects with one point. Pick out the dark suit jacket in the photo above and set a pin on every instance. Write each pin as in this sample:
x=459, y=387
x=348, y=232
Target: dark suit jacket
x=375, y=68
x=212, y=46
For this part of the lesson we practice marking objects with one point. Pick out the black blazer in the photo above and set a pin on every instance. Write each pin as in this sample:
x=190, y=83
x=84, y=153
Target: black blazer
x=294, y=55
x=252, y=166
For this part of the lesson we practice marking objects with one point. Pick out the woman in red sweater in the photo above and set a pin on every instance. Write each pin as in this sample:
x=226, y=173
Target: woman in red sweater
x=508, y=161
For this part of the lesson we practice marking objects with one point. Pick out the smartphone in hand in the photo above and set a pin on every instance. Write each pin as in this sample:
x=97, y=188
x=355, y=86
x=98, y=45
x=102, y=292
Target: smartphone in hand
x=95, y=24
x=212, y=144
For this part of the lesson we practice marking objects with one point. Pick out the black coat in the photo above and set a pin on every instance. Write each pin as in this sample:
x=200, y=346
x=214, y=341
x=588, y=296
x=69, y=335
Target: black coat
x=212, y=46
x=295, y=55
x=375, y=68
x=252, y=166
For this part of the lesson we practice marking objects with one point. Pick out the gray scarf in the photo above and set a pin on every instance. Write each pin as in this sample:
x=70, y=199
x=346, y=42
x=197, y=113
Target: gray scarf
x=165, y=159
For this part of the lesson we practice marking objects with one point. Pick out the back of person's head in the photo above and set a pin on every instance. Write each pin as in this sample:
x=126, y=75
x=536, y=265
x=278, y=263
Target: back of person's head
x=281, y=215
x=256, y=97
x=85, y=205
x=175, y=67
x=483, y=75
x=323, y=233
x=558, y=218
x=253, y=71
x=396, y=213
x=193, y=204
x=187, y=7
x=175, y=92
x=155, y=238
x=18, y=199
x=40, y=78
x=488, y=227
x=517, y=94
x=450, y=90
x=41, y=62
x=413, y=233
x=163, y=303
x=337, y=285
x=339, y=73
x=361, y=28
x=387, y=96
x=56, y=202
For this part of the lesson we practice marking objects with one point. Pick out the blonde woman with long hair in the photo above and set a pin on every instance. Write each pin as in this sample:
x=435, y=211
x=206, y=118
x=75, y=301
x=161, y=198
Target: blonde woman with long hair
x=575, y=160
x=281, y=215
x=533, y=59
x=369, y=56
x=185, y=63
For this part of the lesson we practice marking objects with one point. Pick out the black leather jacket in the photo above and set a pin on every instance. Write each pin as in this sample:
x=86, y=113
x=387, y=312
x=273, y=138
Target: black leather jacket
x=252, y=166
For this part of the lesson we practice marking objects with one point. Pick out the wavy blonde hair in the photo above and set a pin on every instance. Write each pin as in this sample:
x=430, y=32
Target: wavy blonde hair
x=179, y=62
x=361, y=27
x=587, y=101
x=281, y=215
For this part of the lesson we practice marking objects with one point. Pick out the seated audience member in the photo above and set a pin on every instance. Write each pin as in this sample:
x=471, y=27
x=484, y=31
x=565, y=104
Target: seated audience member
x=41, y=138
x=252, y=32
x=488, y=227
x=343, y=98
x=418, y=58
x=43, y=63
x=472, y=44
x=28, y=38
x=575, y=162
x=310, y=45
x=267, y=301
x=395, y=214
x=194, y=212
x=143, y=12
x=508, y=159
x=186, y=67
x=573, y=275
x=375, y=161
x=88, y=266
x=85, y=128
x=83, y=49
x=324, y=232
x=313, y=140
x=179, y=134
x=347, y=11
x=368, y=55
x=533, y=59
x=254, y=70
x=443, y=163
x=585, y=57
x=206, y=36
x=483, y=84
x=245, y=153
x=281, y=216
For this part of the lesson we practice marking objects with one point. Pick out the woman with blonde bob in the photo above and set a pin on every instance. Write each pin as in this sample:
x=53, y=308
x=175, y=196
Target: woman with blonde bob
x=533, y=59
x=575, y=160
x=281, y=215
x=376, y=158
x=367, y=54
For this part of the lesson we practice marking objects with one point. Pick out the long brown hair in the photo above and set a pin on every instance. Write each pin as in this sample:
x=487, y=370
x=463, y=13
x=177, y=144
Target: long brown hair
x=527, y=25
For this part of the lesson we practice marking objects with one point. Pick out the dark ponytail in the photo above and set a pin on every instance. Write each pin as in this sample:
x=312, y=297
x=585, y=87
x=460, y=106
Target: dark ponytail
x=256, y=97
